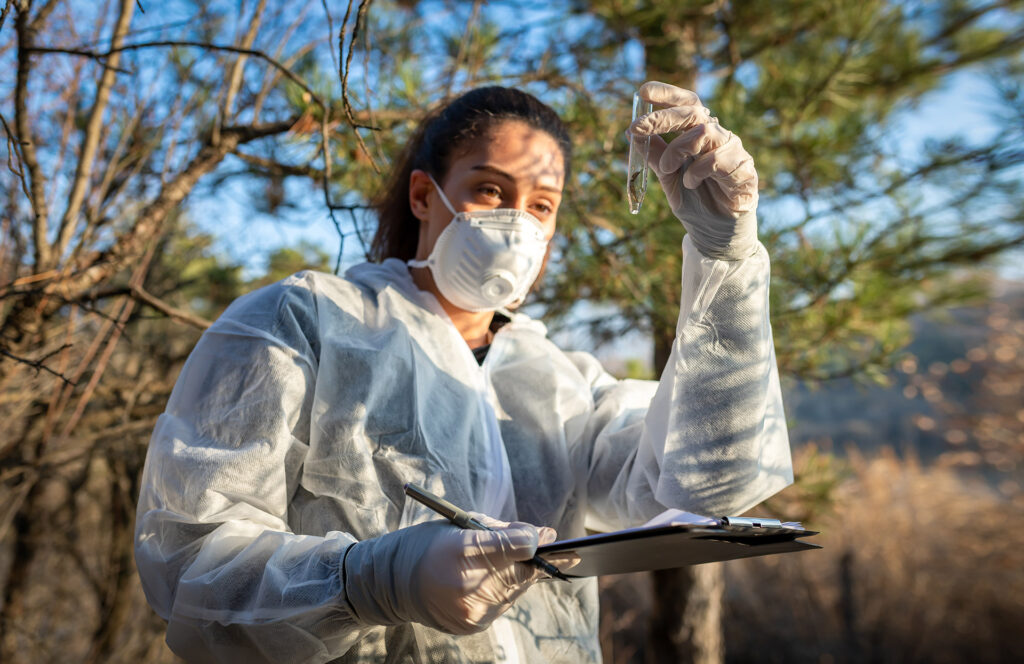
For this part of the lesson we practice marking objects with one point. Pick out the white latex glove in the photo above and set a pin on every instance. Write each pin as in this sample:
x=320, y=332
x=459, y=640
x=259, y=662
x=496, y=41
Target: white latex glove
x=708, y=177
x=437, y=574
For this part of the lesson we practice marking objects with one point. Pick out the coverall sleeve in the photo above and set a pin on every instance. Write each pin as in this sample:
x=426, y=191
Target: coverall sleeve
x=212, y=543
x=710, y=437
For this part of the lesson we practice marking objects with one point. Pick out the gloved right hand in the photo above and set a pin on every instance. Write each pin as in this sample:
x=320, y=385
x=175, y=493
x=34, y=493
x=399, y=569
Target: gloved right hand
x=437, y=574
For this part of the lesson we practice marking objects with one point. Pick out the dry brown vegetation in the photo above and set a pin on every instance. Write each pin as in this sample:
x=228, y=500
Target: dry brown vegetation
x=920, y=564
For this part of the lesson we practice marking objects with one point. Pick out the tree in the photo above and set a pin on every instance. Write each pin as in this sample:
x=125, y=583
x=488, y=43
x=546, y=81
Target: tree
x=103, y=284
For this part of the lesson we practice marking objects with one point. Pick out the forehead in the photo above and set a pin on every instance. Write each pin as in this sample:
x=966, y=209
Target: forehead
x=530, y=155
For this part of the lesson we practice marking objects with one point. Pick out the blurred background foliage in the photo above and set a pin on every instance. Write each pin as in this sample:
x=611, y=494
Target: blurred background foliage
x=150, y=147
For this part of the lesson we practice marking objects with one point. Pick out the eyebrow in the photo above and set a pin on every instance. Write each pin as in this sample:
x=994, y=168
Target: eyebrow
x=497, y=171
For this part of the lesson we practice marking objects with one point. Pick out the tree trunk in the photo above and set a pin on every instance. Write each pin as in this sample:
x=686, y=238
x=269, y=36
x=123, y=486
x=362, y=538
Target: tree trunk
x=685, y=624
x=26, y=533
x=686, y=616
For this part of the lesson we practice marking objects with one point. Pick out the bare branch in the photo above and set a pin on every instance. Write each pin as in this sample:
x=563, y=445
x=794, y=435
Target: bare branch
x=37, y=181
x=271, y=167
x=92, y=133
x=114, y=165
x=5, y=11
x=38, y=364
x=238, y=68
x=150, y=219
x=44, y=13
x=179, y=315
x=137, y=278
x=364, y=6
x=13, y=156
x=60, y=402
x=330, y=31
x=68, y=96
x=271, y=76
x=464, y=45
x=288, y=73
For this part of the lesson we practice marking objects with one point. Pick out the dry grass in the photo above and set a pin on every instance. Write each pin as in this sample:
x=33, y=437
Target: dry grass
x=920, y=565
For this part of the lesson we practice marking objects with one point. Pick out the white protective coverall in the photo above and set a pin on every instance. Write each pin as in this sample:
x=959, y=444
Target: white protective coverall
x=305, y=408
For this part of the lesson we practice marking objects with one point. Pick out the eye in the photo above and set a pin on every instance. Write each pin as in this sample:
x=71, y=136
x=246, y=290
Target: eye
x=489, y=191
x=542, y=207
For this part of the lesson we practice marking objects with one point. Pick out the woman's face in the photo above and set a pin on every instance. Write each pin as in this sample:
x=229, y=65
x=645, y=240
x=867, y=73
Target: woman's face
x=513, y=165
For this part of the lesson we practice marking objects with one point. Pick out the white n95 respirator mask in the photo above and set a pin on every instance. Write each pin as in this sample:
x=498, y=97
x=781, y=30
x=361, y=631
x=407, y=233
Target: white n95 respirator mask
x=486, y=259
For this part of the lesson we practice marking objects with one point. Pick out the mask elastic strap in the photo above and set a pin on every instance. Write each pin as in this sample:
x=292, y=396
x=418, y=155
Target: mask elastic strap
x=440, y=192
x=447, y=204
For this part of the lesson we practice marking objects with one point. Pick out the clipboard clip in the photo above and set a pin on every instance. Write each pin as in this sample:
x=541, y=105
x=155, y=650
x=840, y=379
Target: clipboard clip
x=752, y=522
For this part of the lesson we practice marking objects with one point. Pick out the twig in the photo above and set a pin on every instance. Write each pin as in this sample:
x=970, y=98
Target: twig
x=83, y=171
x=364, y=5
x=101, y=365
x=341, y=239
x=58, y=406
x=330, y=30
x=38, y=364
x=238, y=68
x=272, y=167
x=12, y=151
x=177, y=314
x=288, y=73
x=4, y=12
x=464, y=45
x=359, y=233
x=37, y=185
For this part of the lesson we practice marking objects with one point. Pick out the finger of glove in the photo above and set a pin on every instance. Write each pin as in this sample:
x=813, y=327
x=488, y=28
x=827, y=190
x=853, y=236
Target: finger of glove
x=721, y=163
x=503, y=545
x=488, y=521
x=737, y=194
x=664, y=120
x=546, y=535
x=563, y=560
x=730, y=202
x=739, y=183
x=654, y=154
x=664, y=93
x=699, y=140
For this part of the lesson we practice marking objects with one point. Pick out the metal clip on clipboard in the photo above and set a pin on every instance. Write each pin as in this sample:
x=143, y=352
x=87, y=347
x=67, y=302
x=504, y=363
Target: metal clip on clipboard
x=751, y=521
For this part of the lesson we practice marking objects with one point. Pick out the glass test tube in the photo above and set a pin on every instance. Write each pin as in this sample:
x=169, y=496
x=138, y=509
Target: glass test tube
x=639, y=147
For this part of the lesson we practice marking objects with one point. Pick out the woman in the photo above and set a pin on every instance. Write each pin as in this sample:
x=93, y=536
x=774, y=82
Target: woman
x=272, y=526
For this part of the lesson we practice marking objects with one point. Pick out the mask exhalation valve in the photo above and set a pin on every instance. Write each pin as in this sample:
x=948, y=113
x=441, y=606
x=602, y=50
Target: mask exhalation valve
x=498, y=285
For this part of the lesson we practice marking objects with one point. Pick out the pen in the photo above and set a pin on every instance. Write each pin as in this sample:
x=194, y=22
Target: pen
x=462, y=519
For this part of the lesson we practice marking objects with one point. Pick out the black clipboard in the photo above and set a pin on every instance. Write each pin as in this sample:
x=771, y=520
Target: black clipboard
x=664, y=547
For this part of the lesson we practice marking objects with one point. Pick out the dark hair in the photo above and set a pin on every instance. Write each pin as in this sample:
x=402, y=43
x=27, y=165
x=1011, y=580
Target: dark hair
x=439, y=138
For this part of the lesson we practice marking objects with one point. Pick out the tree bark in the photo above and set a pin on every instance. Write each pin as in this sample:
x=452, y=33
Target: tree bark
x=686, y=616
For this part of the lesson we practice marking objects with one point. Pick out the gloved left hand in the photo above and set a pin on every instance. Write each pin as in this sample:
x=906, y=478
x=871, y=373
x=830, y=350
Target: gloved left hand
x=708, y=177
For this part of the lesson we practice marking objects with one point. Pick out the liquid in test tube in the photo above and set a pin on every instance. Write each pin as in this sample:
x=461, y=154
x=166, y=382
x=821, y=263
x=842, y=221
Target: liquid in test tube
x=639, y=147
